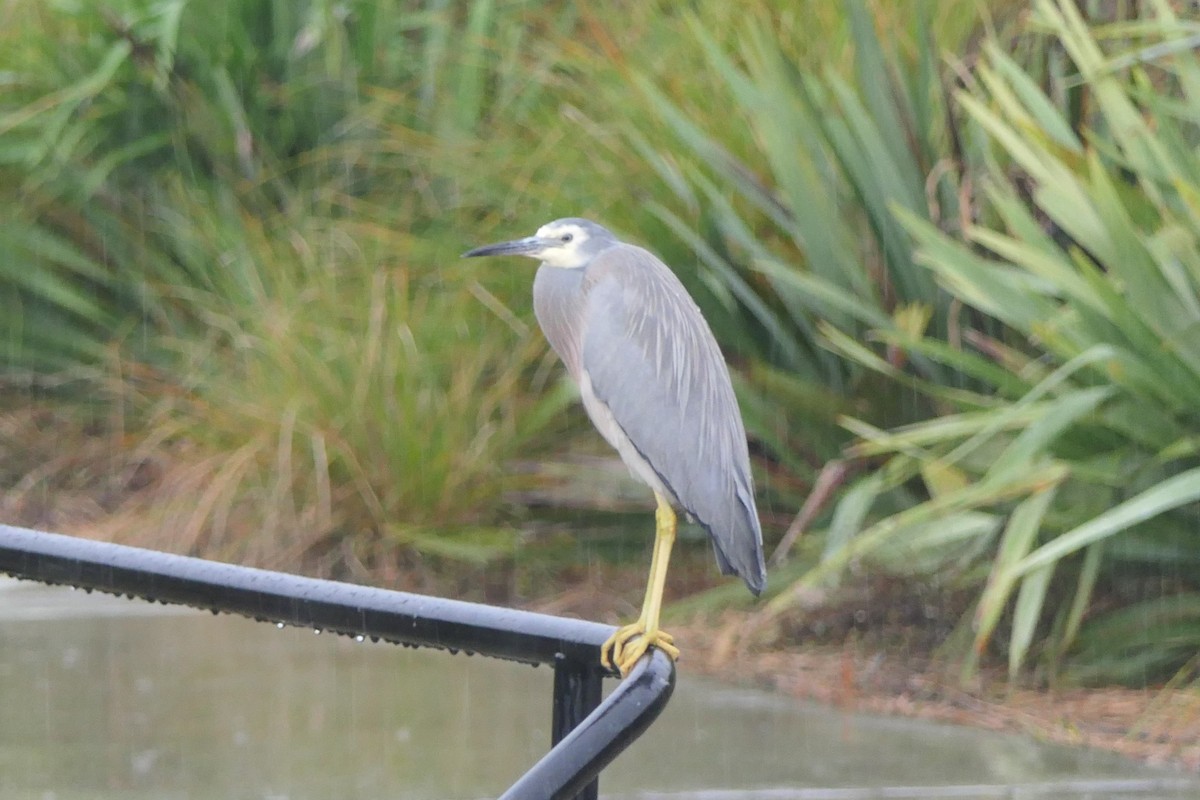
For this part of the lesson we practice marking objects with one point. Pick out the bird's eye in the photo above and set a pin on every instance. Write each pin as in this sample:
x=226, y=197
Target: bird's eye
x=566, y=237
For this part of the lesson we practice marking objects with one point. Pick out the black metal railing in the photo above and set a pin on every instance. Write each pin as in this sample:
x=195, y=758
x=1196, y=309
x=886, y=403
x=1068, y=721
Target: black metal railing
x=587, y=734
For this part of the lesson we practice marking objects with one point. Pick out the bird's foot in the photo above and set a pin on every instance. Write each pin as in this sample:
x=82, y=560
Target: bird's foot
x=630, y=643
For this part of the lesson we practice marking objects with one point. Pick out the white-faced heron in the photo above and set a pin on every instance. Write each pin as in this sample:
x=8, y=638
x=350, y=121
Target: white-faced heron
x=656, y=387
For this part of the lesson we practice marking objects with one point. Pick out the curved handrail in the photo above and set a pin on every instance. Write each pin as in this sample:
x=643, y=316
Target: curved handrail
x=579, y=757
x=572, y=646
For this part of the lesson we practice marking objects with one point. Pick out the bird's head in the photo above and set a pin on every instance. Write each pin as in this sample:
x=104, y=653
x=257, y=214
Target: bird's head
x=565, y=243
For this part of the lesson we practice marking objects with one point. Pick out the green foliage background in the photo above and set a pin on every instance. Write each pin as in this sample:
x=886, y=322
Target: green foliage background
x=952, y=251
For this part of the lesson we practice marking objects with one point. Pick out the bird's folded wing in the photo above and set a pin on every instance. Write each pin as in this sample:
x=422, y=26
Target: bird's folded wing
x=652, y=360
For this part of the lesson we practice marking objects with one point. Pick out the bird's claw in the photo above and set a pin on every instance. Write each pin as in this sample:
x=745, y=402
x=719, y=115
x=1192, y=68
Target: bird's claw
x=629, y=643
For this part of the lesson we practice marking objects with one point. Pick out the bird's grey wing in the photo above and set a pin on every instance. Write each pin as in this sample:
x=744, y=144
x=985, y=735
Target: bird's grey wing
x=652, y=360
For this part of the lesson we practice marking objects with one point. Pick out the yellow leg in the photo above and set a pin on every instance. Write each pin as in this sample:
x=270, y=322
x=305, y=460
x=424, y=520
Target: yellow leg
x=630, y=643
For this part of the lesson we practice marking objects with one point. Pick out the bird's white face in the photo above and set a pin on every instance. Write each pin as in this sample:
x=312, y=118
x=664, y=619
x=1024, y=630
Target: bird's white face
x=564, y=245
x=569, y=243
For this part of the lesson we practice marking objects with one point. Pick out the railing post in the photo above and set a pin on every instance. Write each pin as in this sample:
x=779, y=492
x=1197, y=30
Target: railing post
x=577, y=692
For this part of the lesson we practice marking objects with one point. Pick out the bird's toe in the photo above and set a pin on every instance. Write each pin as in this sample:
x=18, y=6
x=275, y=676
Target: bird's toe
x=628, y=644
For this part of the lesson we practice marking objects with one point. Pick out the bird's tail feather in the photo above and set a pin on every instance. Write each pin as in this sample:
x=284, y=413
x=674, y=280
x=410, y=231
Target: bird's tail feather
x=747, y=563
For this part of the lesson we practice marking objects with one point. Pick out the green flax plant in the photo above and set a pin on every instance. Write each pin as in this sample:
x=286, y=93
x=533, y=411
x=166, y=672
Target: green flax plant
x=1063, y=478
x=311, y=105
x=104, y=108
x=788, y=201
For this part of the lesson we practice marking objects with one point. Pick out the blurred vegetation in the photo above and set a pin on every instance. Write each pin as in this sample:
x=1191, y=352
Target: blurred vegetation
x=236, y=220
x=952, y=250
x=1036, y=344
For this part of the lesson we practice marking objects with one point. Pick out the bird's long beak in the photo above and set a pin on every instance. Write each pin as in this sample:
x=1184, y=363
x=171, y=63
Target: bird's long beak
x=518, y=247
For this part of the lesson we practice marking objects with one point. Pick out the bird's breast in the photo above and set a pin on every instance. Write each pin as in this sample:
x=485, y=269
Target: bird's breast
x=558, y=303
